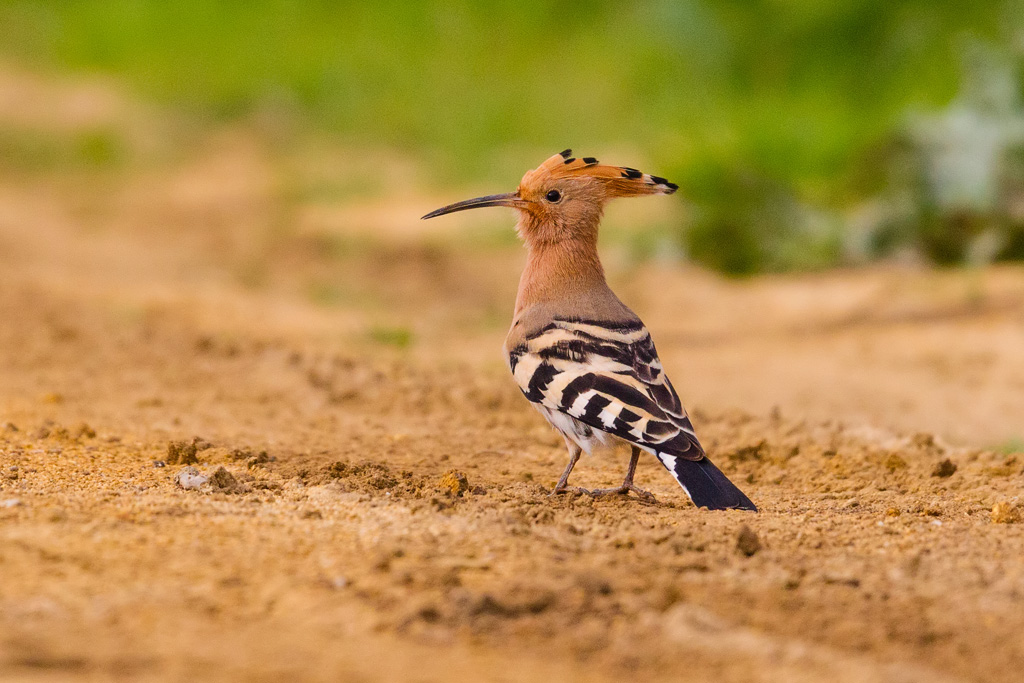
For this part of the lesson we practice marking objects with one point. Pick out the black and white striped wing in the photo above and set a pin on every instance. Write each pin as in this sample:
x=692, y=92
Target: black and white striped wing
x=607, y=376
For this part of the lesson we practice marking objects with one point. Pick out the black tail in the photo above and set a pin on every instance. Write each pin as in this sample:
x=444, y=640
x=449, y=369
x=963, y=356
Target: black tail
x=705, y=484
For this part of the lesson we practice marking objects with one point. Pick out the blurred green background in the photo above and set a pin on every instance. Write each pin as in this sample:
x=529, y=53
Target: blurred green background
x=805, y=134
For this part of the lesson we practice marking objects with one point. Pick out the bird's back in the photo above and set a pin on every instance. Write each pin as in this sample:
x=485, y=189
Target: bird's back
x=594, y=360
x=596, y=303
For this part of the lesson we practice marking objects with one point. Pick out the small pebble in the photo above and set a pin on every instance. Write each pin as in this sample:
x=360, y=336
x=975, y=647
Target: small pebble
x=190, y=478
x=159, y=463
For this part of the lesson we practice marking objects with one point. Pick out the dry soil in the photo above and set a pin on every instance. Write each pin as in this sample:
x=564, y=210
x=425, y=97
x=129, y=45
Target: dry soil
x=377, y=506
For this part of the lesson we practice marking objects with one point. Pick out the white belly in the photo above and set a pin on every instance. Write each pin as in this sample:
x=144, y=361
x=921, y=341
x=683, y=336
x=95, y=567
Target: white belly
x=587, y=437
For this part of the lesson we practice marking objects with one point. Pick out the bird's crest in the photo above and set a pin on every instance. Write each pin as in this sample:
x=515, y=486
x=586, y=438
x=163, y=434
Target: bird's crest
x=618, y=181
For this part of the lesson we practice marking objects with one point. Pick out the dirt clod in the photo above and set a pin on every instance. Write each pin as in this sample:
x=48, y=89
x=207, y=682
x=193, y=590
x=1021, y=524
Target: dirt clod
x=926, y=443
x=748, y=453
x=337, y=470
x=1005, y=513
x=200, y=443
x=454, y=483
x=250, y=457
x=224, y=481
x=381, y=480
x=946, y=468
x=83, y=430
x=181, y=453
x=747, y=541
x=186, y=452
x=894, y=462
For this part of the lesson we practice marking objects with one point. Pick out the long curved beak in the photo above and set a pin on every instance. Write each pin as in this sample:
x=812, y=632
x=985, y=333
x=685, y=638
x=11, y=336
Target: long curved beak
x=507, y=199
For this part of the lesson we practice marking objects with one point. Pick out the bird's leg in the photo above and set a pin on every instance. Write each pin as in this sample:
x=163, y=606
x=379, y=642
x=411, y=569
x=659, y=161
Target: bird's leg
x=563, y=483
x=627, y=483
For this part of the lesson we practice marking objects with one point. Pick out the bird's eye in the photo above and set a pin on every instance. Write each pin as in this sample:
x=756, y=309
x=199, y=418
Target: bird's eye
x=554, y=196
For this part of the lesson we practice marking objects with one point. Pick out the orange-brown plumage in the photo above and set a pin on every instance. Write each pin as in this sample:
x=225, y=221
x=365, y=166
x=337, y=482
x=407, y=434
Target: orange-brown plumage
x=613, y=181
x=561, y=236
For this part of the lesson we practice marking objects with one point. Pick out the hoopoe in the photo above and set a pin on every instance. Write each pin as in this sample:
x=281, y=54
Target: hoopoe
x=584, y=359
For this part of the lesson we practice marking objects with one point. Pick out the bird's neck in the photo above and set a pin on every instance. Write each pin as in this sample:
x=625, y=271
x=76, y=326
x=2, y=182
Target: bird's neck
x=564, y=270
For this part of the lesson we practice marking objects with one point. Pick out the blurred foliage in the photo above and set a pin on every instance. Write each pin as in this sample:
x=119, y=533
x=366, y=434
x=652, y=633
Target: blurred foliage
x=399, y=337
x=35, y=151
x=777, y=117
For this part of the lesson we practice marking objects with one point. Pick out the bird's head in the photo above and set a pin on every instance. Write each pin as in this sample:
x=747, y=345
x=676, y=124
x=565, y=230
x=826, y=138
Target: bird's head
x=564, y=196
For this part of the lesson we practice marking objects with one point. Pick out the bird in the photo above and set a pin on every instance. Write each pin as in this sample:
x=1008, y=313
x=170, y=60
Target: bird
x=579, y=354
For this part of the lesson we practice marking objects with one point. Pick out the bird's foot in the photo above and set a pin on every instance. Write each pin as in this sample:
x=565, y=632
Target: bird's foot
x=574, y=490
x=624, y=490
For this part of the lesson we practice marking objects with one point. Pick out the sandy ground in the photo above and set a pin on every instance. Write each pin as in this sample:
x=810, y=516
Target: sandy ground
x=383, y=509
